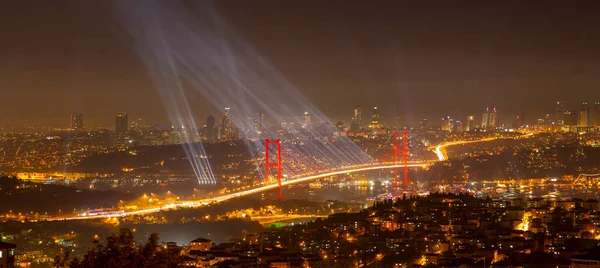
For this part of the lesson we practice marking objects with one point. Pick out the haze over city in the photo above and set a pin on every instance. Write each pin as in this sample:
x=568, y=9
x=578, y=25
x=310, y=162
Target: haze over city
x=297, y=134
x=410, y=59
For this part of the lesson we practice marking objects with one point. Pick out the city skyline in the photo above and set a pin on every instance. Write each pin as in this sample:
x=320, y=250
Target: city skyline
x=511, y=63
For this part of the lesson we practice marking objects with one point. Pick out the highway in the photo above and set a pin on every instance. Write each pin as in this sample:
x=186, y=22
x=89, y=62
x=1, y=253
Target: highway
x=439, y=151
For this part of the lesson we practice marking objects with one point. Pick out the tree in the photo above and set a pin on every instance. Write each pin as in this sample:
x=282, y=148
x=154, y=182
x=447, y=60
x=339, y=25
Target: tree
x=121, y=251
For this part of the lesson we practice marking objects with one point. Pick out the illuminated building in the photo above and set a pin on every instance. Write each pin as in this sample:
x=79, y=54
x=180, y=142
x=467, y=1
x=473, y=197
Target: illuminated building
x=375, y=119
x=306, y=120
x=488, y=120
x=356, y=118
x=210, y=128
x=458, y=126
x=584, y=115
x=570, y=118
x=520, y=121
x=597, y=113
x=76, y=121
x=227, y=125
x=7, y=254
x=470, y=123
x=259, y=122
x=447, y=124
x=485, y=119
x=424, y=125
x=493, y=118
x=559, y=115
x=200, y=244
x=121, y=123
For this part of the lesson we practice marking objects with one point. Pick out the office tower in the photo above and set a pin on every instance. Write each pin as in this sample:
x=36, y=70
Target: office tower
x=259, y=122
x=121, y=123
x=520, y=120
x=571, y=118
x=547, y=121
x=458, y=126
x=446, y=123
x=375, y=118
x=76, y=121
x=492, y=118
x=210, y=128
x=597, y=114
x=559, y=114
x=424, y=124
x=227, y=125
x=488, y=120
x=306, y=120
x=357, y=115
x=485, y=119
x=470, y=123
x=584, y=115
x=356, y=118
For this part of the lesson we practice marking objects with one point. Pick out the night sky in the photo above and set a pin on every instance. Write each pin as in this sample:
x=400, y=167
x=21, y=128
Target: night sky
x=430, y=58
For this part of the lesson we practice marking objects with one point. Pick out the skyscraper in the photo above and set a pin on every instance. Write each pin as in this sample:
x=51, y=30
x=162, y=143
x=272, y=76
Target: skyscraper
x=375, y=118
x=597, y=114
x=488, y=120
x=424, y=124
x=121, y=123
x=559, y=114
x=306, y=120
x=571, y=117
x=458, y=126
x=520, y=121
x=76, y=121
x=485, y=119
x=227, y=124
x=493, y=117
x=356, y=118
x=259, y=122
x=447, y=124
x=584, y=115
x=470, y=123
x=210, y=128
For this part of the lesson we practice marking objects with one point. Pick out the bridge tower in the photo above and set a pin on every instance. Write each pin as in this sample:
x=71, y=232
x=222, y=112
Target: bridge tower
x=276, y=164
x=404, y=151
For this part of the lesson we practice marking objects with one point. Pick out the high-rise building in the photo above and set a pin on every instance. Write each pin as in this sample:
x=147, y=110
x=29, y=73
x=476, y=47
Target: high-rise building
x=375, y=118
x=356, y=118
x=559, y=114
x=447, y=124
x=571, y=118
x=584, y=115
x=306, y=120
x=485, y=118
x=458, y=126
x=121, y=123
x=424, y=124
x=210, y=128
x=227, y=124
x=520, y=123
x=470, y=123
x=76, y=121
x=488, y=120
x=597, y=113
x=493, y=117
x=259, y=122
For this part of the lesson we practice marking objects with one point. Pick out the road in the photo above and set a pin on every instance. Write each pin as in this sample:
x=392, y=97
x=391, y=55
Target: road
x=440, y=150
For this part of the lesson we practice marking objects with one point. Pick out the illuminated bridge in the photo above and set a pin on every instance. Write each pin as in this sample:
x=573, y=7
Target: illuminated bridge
x=274, y=186
x=439, y=150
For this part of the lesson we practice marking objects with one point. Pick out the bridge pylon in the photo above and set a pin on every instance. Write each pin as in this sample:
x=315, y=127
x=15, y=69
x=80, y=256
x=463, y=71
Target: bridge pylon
x=276, y=164
x=404, y=152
